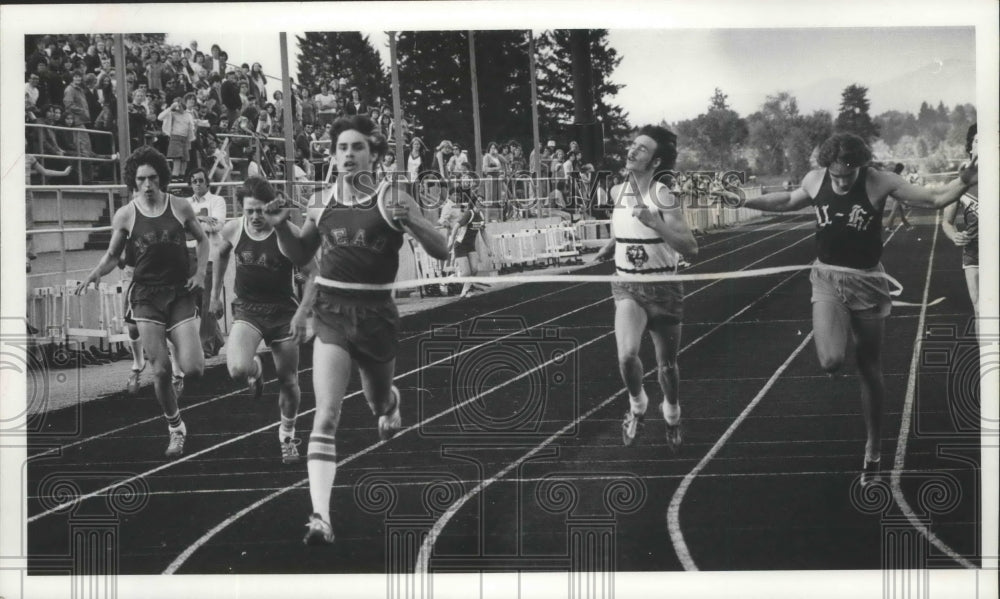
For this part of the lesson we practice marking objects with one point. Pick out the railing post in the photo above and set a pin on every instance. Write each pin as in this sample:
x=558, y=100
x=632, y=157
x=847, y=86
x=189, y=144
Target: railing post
x=62, y=231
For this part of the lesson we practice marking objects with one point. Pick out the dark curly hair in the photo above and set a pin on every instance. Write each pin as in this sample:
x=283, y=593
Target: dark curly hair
x=666, y=145
x=257, y=188
x=377, y=144
x=971, y=135
x=147, y=155
x=845, y=148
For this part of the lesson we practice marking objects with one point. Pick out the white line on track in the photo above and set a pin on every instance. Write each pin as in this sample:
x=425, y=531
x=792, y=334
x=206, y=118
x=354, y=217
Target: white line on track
x=61, y=448
x=904, y=425
x=182, y=558
x=427, y=547
x=673, y=512
x=231, y=440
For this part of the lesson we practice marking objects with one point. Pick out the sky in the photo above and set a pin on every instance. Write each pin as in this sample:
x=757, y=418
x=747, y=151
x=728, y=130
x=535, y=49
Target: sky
x=670, y=74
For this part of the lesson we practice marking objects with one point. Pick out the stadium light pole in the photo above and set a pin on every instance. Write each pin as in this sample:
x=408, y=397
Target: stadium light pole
x=535, y=141
x=286, y=117
x=121, y=104
x=478, y=134
x=397, y=107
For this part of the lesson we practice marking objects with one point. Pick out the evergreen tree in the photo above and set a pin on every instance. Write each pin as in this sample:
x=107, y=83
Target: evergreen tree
x=555, y=91
x=324, y=56
x=853, y=116
x=434, y=81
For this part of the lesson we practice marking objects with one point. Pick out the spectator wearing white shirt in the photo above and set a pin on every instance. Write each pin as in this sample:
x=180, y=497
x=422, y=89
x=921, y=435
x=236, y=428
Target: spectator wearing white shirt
x=210, y=211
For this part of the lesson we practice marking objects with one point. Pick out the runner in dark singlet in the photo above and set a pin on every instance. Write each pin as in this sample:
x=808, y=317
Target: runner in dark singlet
x=960, y=223
x=360, y=229
x=151, y=229
x=264, y=306
x=849, y=198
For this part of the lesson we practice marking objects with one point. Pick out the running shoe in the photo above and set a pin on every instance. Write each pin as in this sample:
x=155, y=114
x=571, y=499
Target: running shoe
x=390, y=423
x=176, y=446
x=178, y=382
x=674, y=434
x=290, y=451
x=631, y=427
x=256, y=384
x=134, y=382
x=320, y=532
x=871, y=472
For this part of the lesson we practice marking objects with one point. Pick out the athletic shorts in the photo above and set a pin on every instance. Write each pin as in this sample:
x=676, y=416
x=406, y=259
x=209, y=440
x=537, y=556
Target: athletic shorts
x=368, y=330
x=127, y=304
x=970, y=255
x=166, y=305
x=272, y=321
x=661, y=301
x=864, y=296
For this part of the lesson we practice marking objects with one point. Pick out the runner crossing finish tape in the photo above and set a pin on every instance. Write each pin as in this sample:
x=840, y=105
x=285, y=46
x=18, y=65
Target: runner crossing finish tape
x=897, y=287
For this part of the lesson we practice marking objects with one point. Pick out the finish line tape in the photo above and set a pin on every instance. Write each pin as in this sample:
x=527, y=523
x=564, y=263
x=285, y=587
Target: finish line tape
x=570, y=278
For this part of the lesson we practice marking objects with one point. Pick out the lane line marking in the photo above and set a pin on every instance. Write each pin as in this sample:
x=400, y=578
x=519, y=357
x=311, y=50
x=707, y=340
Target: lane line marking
x=61, y=448
x=904, y=424
x=673, y=512
x=179, y=561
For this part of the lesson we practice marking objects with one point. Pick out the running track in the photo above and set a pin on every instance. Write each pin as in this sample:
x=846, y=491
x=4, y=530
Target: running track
x=514, y=446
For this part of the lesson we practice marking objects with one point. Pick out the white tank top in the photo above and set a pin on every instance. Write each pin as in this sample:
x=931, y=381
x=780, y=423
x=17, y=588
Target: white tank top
x=638, y=248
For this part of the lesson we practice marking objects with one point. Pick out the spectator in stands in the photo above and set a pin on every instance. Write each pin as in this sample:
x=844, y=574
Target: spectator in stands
x=356, y=106
x=455, y=160
x=307, y=107
x=224, y=61
x=265, y=122
x=259, y=82
x=303, y=138
x=78, y=144
x=55, y=79
x=278, y=118
x=93, y=99
x=326, y=106
x=493, y=169
x=385, y=167
x=50, y=142
x=415, y=160
x=178, y=123
x=210, y=210
x=31, y=91
x=218, y=65
x=442, y=158
x=341, y=107
x=222, y=166
x=154, y=71
x=230, y=96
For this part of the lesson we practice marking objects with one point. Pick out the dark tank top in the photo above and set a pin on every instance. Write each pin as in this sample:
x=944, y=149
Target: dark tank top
x=848, y=227
x=358, y=246
x=157, y=247
x=263, y=274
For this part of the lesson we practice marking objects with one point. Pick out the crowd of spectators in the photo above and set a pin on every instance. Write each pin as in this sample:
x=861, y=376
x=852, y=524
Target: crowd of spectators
x=187, y=102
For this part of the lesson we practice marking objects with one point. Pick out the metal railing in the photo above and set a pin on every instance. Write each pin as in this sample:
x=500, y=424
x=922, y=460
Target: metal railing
x=78, y=157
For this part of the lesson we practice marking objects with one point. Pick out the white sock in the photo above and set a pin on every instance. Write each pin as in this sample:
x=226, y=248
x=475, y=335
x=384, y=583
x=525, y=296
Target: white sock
x=287, y=429
x=181, y=428
x=640, y=403
x=671, y=412
x=322, y=468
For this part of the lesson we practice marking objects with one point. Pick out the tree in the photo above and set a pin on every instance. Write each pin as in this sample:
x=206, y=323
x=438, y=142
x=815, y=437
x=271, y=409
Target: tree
x=434, y=82
x=716, y=135
x=894, y=124
x=769, y=128
x=853, y=116
x=555, y=90
x=324, y=56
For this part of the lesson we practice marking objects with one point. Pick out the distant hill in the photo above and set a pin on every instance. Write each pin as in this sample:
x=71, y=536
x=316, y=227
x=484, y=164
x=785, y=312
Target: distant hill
x=952, y=82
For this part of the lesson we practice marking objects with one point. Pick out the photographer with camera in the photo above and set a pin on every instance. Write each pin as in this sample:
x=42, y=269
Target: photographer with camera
x=179, y=123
